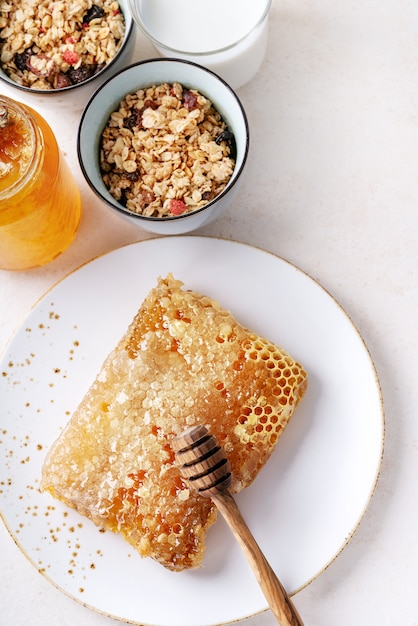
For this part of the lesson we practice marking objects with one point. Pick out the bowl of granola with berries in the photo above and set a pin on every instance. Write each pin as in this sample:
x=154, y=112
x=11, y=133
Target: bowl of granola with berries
x=57, y=45
x=164, y=143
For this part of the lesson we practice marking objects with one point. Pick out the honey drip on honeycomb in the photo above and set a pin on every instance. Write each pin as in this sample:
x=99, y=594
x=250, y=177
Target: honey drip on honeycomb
x=183, y=361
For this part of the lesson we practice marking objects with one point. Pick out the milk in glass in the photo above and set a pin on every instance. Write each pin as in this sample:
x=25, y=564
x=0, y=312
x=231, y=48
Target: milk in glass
x=227, y=36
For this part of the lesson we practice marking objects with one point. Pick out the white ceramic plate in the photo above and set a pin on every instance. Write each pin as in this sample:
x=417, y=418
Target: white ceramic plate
x=303, y=507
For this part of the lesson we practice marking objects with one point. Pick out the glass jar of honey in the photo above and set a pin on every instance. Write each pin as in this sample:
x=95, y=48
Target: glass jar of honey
x=40, y=203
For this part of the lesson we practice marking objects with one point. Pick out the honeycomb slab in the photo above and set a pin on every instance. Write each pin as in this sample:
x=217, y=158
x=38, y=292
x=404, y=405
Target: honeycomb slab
x=183, y=361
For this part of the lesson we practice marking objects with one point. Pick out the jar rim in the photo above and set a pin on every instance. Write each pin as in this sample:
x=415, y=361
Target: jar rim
x=25, y=114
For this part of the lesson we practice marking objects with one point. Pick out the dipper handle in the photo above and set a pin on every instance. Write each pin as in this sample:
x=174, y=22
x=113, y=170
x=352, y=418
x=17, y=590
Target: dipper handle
x=204, y=465
x=274, y=592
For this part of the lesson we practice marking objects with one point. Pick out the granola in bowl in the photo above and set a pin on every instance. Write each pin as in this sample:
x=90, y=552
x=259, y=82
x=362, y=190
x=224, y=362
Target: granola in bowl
x=48, y=45
x=166, y=151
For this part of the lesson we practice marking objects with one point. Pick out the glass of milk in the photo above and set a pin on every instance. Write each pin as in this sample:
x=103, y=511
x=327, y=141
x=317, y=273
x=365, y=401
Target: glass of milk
x=227, y=36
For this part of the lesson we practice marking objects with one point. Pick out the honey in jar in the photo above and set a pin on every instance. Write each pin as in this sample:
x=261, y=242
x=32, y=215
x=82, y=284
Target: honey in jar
x=40, y=203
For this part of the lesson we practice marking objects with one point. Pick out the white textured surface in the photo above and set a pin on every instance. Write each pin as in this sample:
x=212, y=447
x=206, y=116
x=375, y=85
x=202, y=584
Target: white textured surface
x=332, y=186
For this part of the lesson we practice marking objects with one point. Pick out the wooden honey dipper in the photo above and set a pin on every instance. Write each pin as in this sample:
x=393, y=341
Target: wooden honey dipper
x=207, y=470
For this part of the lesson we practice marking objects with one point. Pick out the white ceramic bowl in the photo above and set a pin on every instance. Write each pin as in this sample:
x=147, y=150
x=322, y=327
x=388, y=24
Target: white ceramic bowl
x=122, y=57
x=145, y=74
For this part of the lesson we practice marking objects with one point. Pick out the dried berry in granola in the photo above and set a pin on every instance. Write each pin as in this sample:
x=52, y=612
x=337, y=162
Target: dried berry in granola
x=190, y=99
x=80, y=74
x=62, y=81
x=94, y=13
x=133, y=121
x=229, y=139
x=21, y=59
